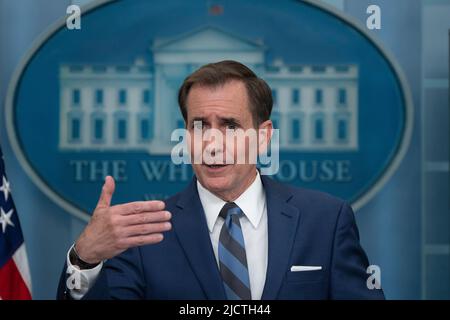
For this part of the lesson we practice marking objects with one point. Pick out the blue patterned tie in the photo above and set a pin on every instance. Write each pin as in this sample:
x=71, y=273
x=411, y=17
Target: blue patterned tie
x=232, y=256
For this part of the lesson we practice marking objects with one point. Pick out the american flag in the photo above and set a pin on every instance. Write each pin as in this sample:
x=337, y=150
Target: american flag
x=15, y=280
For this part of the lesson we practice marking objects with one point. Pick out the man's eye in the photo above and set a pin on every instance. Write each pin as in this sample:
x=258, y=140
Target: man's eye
x=231, y=126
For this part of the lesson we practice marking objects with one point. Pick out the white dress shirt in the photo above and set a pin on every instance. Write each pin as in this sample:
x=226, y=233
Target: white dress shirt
x=85, y=278
x=254, y=228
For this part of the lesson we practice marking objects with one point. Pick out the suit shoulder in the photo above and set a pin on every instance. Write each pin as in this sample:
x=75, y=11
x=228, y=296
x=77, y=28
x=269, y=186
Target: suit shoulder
x=172, y=200
x=310, y=200
x=313, y=197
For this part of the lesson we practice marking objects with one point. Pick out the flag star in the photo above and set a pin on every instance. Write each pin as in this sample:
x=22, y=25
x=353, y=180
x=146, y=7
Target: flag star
x=5, y=219
x=5, y=188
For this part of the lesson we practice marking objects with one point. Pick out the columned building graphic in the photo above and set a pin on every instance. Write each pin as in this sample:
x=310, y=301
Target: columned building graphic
x=106, y=107
x=134, y=107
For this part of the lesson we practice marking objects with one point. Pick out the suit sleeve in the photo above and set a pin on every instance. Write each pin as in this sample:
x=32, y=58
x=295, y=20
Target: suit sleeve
x=349, y=261
x=120, y=278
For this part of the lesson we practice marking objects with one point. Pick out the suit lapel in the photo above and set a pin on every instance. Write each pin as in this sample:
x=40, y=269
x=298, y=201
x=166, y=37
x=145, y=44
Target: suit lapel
x=282, y=222
x=191, y=229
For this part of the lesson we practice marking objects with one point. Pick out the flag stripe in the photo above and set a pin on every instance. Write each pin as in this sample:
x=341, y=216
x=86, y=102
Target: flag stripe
x=12, y=286
x=21, y=260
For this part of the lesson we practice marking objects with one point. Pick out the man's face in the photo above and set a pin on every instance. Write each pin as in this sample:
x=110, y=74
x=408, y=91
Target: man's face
x=223, y=107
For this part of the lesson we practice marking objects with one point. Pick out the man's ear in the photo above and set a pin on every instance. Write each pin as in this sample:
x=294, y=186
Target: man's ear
x=264, y=135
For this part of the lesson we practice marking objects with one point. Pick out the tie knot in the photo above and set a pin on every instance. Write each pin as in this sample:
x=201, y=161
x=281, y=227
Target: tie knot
x=230, y=208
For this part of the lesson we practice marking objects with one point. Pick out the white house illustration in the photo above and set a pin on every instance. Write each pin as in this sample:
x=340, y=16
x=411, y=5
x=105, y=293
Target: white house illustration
x=134, y=107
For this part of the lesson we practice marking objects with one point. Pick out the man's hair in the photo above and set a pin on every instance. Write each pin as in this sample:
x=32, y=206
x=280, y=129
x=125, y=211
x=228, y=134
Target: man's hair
x=219, y=73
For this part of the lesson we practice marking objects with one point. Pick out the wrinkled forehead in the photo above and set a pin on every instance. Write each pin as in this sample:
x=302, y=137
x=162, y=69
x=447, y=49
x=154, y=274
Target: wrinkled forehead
x=227, y=100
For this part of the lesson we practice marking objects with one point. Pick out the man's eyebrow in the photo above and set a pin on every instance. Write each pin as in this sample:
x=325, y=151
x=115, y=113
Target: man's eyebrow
x=202, y=119
x=231, y=120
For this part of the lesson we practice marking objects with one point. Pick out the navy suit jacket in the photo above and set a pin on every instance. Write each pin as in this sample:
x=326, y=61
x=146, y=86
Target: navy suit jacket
x=305, y=227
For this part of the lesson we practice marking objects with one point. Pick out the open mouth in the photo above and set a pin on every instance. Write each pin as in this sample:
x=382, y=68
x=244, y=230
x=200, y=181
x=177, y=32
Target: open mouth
x=216, y=166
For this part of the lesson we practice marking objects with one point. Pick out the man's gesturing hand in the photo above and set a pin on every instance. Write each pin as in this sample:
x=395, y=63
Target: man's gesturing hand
x=113, y=229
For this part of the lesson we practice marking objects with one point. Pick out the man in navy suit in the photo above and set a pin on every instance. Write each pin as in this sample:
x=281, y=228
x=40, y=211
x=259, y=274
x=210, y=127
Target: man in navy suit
x=233, y=233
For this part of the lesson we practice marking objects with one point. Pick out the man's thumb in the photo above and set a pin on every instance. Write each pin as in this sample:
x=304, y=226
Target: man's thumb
x=107, y=192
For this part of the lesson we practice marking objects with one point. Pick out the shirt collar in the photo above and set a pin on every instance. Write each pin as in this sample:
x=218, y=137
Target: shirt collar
x=252, y=202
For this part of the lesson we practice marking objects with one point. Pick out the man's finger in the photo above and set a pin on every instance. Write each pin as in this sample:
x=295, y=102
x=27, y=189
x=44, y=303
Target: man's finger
x=144, y=240
x=145, y=217
x=139, y=207
x=147, y=229
x=107, y=192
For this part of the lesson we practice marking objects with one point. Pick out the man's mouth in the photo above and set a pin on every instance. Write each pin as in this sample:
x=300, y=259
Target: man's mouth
x=216, y=166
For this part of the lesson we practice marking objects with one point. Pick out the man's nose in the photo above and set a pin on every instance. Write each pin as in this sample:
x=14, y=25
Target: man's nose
x=213, y=147
x=214, y=142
